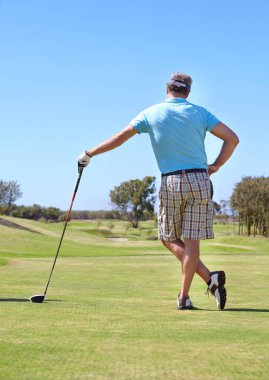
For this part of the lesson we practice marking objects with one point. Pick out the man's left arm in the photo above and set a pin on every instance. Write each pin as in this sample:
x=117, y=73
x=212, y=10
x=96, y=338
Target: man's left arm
x=230, y=141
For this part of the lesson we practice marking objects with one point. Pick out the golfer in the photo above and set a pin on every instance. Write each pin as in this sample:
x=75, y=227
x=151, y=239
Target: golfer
x=177, y=130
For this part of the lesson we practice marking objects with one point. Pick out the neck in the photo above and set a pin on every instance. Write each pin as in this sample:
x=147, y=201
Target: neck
x=173, y=95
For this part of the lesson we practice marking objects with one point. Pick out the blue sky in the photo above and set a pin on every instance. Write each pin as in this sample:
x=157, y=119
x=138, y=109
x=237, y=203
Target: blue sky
x=73, y=73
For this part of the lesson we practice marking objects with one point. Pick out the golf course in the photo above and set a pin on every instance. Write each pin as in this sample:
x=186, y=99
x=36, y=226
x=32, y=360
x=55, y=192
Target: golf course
x=110, y=311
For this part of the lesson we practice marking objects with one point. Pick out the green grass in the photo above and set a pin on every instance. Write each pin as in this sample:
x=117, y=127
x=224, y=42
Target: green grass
x=3, y=261
x=110, y=312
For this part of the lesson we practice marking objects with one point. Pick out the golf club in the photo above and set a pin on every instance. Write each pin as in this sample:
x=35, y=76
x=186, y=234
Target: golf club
x=40, y=298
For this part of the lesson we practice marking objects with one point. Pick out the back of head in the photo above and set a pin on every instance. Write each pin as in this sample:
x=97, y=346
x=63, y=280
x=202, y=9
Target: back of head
x=179, y=84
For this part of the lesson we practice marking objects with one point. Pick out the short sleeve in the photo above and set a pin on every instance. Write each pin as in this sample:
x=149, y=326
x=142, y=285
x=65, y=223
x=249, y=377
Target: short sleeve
x=140, y=123
x=210, y=121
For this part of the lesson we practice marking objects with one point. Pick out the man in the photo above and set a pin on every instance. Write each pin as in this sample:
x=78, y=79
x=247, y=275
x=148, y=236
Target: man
x=177, y=131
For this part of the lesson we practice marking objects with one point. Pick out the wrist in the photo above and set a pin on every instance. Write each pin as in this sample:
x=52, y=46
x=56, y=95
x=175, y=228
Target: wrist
x=217, y=165
x=88, y=154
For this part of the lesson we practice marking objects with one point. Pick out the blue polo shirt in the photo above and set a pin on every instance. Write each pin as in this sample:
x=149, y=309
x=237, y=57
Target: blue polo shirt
x=177, y=131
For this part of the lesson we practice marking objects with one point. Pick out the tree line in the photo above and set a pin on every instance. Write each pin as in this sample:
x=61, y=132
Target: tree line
x=134, y=200
x=10, y=192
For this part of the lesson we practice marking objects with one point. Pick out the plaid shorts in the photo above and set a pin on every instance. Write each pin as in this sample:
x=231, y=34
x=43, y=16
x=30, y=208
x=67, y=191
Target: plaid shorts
x=186, y=207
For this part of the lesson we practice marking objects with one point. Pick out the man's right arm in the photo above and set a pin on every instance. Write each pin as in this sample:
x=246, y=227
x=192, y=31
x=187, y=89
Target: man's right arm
x=109, y=144
x=113, y=142
x=230, y=141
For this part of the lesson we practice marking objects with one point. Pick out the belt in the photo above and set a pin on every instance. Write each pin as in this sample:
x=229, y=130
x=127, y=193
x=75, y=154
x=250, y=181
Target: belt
x=185, y=171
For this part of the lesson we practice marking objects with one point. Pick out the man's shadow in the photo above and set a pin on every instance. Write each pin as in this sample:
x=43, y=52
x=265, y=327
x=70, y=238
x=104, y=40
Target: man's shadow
x=238, y=309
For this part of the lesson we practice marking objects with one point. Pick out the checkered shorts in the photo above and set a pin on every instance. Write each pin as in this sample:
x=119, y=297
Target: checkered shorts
x=186, y=207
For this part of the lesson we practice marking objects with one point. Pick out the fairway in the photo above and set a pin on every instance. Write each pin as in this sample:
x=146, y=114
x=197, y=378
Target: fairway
x=110, y=312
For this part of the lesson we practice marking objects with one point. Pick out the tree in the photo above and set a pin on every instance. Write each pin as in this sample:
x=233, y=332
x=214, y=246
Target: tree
x=224, y=206
x=2, y=191
x=51, y=213
x=136, y=197
x=9, y=192
x=250, y=199
x=217, y=208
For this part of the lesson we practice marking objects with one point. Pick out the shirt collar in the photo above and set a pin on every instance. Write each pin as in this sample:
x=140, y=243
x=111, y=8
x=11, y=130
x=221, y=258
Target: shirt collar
x=176, y=100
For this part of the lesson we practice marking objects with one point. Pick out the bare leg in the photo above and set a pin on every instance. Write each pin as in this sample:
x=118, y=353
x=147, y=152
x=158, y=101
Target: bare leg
x=177, y=247
x=189, y=265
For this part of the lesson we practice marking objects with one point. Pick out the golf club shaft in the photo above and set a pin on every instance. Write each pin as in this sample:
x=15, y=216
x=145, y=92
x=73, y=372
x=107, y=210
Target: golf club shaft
x=80, y=171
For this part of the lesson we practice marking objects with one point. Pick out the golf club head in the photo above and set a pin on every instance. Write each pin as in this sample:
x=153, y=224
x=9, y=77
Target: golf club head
x=37, y=298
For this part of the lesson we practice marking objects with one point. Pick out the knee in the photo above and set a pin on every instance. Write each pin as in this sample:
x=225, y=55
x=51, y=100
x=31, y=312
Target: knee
x=167, y=244
x=173, y=244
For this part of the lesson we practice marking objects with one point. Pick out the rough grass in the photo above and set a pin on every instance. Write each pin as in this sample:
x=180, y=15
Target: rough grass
x=112, y=314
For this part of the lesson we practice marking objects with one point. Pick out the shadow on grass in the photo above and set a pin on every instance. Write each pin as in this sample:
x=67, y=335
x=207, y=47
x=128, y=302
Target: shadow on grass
x=14, y=300
x=237, y=309
x=26, y=300
x=9, y=224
